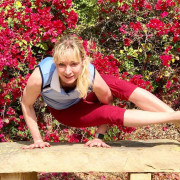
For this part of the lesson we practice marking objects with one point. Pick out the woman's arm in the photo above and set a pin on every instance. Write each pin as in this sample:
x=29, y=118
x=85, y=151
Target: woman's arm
x=104, y=95
x=96, y=141
x=30, y=94
x=102, y=90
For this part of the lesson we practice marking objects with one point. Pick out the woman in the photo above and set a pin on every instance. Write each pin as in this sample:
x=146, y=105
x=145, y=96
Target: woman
x=78, y=96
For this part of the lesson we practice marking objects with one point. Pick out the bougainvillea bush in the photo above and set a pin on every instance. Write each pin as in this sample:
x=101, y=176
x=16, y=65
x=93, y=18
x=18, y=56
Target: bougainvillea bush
x=145, y=38
x=135, y=40
x=28, y=32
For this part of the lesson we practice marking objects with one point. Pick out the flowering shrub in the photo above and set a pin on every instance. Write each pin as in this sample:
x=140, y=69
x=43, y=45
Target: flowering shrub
x=137, y=41
x=143, y=37
x=28, y=32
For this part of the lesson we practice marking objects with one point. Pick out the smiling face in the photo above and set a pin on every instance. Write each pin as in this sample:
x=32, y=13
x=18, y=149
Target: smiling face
x=72, y=64
x=69, y=68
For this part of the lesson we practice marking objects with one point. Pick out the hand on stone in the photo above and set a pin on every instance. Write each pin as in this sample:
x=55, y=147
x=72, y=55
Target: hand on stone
x=97, y=142
x=38, y=144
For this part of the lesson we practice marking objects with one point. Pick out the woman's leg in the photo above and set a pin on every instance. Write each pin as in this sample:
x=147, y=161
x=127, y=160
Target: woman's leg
x=148, y=102
x=119, y=88
x=87, y=114
x=142, y=98
x=138, y=118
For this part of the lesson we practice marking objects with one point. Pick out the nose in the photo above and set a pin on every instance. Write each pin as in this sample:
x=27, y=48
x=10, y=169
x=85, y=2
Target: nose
x=68, y=70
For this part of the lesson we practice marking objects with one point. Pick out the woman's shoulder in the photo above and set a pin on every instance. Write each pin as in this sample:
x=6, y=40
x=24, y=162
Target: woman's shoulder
x=46, y=62
x=92, y=72
x=35, y=79
x=47, y=65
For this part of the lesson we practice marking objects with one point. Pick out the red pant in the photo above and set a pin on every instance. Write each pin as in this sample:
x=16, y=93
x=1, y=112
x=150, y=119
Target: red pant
x=90, y=112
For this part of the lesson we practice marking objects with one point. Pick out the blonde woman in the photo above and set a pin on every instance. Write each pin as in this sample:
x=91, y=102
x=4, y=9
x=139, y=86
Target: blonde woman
x=78, y=96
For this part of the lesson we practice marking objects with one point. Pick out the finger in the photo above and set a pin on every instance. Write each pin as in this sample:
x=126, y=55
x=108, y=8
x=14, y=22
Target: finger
x=104, y=145
x=25, y=147
x=88, y=143
x=42, y=146
x=85, y=144
x=99, y=144
x=93, y=144
x=31, y=146
x=107, y=146
x=36, y=145
x=48, y=145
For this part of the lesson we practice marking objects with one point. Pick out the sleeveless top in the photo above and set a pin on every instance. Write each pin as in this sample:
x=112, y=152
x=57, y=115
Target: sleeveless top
x=51, y=90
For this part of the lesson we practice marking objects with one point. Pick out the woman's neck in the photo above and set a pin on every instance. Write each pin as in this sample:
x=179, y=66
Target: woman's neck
x=68, y=87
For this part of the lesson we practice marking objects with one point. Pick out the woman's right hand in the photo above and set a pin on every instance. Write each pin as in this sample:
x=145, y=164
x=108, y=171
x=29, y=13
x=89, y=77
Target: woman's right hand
x=38, y=144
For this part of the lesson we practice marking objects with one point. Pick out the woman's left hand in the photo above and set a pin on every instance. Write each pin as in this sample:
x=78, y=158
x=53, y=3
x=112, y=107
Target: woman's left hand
x=97, y=142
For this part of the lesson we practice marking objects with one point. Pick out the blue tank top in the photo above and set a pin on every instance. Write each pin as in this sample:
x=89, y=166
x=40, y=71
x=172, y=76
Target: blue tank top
x=51, y=91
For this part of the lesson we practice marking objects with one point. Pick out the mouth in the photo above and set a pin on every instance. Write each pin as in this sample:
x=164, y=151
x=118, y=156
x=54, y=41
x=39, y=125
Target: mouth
x=68, y=77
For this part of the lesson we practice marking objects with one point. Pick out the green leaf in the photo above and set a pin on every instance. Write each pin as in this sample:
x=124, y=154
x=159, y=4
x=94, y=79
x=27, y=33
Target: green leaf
x=24, y=41
x=92, y=130
x=18, y=4
x=44, y=46
x=7, y=96
x=60, y=138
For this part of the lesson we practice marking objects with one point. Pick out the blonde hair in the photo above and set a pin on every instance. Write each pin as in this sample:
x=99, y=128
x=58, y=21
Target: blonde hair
x=72, y=42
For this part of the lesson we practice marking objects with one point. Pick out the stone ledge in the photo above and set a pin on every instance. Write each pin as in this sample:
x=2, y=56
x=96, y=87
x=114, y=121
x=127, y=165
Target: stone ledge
x=124, y=156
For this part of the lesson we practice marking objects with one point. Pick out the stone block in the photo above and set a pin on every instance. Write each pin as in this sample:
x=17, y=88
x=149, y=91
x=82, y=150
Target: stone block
x=124, y=156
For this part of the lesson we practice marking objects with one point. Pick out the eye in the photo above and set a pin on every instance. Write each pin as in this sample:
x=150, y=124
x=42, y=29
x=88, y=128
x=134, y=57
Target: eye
x=74, y=64
x=61, y=65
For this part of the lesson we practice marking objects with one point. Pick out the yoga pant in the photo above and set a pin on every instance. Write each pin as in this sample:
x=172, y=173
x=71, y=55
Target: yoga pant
x=90, y=112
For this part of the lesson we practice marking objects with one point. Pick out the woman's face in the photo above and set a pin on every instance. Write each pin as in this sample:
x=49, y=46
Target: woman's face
x=69, y=69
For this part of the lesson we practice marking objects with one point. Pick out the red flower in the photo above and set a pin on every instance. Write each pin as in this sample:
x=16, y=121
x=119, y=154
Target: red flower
x=136, y=26
x=148, y=6
x=175, y=38
x=165, y=128
x=100, y=1
x=168, y=84
x=121, y=29
x=2, y=139
x=155, y=24
x=106, y=64
x=93, y=45
x=1, y=123
x=167, y=49
x=127, y=42
x=75, y=138
x=163, y=5
x=178, y=49
x=165, y=59
x=164, y=14
x=124, y=8
x=10, y=111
